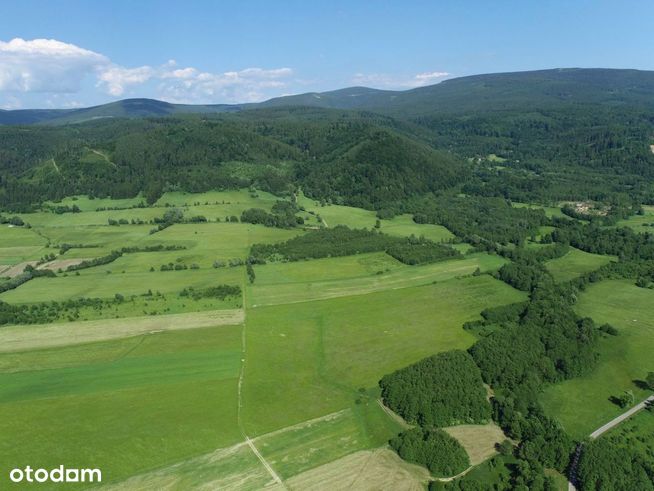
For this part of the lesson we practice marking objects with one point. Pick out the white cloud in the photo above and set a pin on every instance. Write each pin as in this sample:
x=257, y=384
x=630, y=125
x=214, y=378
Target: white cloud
x=249, y=85
x=55, y=67
x=385, y=81
x=115, y=79
x=45, y=65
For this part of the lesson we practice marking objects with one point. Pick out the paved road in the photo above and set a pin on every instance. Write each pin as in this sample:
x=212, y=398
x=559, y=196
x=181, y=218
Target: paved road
x=621, y=418
x=603, y=429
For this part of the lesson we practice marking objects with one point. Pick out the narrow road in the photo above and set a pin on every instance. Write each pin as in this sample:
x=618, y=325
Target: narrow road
x=600, y=431
x=621, y=418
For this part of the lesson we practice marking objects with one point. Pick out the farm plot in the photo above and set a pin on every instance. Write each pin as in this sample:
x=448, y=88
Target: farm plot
x=360, y=265
x=479, y=441
x=584, y=404
x=300, y=455
x=123, y=406
x=400, y=277
x=18, y=245
x=20, y=338
x=92, y=283
x=323, y=352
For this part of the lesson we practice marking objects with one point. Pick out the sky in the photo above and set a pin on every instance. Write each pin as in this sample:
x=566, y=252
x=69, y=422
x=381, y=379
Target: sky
x=65, y=54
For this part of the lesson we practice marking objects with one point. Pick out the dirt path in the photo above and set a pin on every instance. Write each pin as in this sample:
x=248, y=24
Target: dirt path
x=263, y=461
x=17, y=269
x=97, y=152
x=460, y=474
x=394, y=416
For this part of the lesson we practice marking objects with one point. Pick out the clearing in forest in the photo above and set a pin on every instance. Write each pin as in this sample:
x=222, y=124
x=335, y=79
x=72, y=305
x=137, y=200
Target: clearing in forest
x=584, y=404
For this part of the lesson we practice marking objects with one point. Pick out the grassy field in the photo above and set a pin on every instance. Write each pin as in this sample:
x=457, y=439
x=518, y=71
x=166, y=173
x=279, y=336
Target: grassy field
x=322, y=352
x=92, y=283
x=550, y=211
x=18, y=244
x=575, y=263
x=583, y=404
x=35, y=336
x=123, y=406
x=293, y=364
x=285, y=292
x=334, y=268
x=403, y=225
x=333, y=215
x=640, y=223
x=479, y=441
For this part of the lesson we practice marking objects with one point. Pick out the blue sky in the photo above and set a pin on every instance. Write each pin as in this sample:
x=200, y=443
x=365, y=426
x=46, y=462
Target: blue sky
x=78, y=53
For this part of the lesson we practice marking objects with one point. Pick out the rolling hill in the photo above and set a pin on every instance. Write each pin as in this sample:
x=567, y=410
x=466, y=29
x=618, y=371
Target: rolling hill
x=501, y=91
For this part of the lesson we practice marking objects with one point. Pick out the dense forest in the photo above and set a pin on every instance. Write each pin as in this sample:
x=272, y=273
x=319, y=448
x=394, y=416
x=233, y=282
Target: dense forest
x=529, y=143
x=443, y=390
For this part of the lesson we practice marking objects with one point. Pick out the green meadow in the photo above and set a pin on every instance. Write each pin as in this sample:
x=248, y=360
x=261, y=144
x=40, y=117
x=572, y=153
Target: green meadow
x=18, y=244
x=122, y=387
x=575, y=263
x=122, y=406
x=583, y=404
x=550, y=211
x=281, y=291
x=323, y=352
x=640, y=223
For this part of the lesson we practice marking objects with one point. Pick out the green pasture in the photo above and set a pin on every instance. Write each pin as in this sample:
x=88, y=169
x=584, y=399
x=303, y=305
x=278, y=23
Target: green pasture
x=210, y=241
x=122, y=406
x=309, y=359
x=97, y=283
x=18, y=244
x=337, y=214
x=575, y=263
x=48, y=219
x=85, y=203
x=326, y=269
x=279, y=290
x=550, y=211
x=583, y=404
x=213, y=205
x=314, y=443
x=403, y=225
x=640, y=223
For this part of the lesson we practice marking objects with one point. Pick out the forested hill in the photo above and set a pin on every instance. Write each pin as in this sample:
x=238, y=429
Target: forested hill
x=544, y=136
x=480, y=93
x=350, y=160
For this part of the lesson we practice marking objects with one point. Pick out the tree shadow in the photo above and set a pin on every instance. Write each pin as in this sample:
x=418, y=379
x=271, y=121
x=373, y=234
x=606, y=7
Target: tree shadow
x=641, y=384
x=616, y=400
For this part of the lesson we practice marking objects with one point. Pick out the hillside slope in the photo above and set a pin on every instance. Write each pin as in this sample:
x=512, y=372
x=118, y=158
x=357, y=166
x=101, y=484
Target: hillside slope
x=489, y=92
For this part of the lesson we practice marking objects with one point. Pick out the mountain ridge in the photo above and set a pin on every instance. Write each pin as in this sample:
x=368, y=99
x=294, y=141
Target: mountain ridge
x=495, y=91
